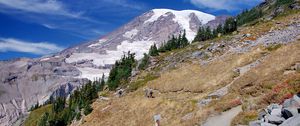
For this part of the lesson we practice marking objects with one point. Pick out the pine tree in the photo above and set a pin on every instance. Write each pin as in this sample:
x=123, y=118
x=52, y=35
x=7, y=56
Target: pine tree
x=153, y=50
x=184, y=40
x=102, y=82
x=219, y=29
x=121, y=71
x=44, y=120
x=144, y=63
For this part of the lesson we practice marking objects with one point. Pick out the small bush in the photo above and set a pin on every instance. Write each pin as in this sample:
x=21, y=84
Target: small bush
x=283, y=2
x=141, y=82
x=244, y=118
x=87, y=109
x=273, y=47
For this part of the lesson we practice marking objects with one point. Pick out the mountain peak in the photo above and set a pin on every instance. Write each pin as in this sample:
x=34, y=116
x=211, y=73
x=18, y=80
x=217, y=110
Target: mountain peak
x=182, y=17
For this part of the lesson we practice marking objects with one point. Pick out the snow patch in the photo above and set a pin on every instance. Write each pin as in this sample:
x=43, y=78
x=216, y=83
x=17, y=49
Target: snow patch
x=92, y=73
x=98, y=43
x=44, y=59
x=131, y=33
x=137, y=47
x=183, y=18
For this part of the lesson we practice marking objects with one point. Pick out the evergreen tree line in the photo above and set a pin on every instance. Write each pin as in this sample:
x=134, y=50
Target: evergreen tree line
x=248, y=16
x=206, y=33
x=153, y=51
x=121, y=71
x=283, y=2
x=174, y=43
x=63, y=111
x=144, y=62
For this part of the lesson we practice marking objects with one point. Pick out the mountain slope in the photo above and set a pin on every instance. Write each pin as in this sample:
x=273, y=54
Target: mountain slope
x=207, y=78
x=138, y=35
x=26, y=82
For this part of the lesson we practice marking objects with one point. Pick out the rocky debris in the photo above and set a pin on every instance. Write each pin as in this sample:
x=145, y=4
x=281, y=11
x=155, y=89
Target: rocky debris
x=296, y=67
x=204, y=102
x=103, y=98
x=287, y=114
x=220, y=92
x=215, y=95
x=280, y=36
x=198, y=54
x=187, y=116
x=243, y=69
x=293, y=121
x=278, y=10
x=295, y=6
x=247, y=35
x=120, y=92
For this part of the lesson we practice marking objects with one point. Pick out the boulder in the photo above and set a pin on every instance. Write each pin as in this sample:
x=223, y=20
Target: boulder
x=293, y=121
x=262, y=114
x=198, y=54
x=255, y=123
x=267, y=124
x=279, y=10
x=273, y=106
x=204, y=102
x=276, y=112
x=295, y=6
x=274, y=119
x=286, y=114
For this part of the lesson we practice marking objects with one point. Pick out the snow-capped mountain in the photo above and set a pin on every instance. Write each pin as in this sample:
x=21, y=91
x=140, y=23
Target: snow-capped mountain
x=137, y=36
x=24, y=82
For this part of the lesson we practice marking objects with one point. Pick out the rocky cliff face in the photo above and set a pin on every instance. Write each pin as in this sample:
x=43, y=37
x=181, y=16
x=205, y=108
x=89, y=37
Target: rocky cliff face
x=25, y=82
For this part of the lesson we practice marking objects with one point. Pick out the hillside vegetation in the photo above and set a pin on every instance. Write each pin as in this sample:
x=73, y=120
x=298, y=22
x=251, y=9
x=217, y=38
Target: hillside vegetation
x=246, y=67
x=231, y=68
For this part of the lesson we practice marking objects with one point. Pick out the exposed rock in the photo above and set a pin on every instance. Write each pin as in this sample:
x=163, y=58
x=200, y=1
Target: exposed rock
x=204, y=102
x=275, y=114
x=198, y=54
x=295, y=6
x=293, y=121
x=220, y=92
x=188, y=116
x=273, y=119
x=278, y=10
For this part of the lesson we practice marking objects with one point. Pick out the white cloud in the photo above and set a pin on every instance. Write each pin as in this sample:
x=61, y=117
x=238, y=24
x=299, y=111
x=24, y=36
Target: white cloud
x=126, y=4
x=229, y=5
x=50, y=26
x=40, y=48
x=51, y=7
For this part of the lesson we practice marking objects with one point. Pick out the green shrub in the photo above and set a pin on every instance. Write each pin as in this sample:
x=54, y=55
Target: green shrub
x=283, y=2
x=273, y=47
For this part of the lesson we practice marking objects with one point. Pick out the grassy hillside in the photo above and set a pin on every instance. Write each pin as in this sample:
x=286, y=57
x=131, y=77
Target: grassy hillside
x=180, y=80
x=35, y=115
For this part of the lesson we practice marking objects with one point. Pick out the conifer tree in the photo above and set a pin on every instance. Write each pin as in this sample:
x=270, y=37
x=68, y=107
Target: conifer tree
x=144, y=63
x=219, y=29
x=184, y=40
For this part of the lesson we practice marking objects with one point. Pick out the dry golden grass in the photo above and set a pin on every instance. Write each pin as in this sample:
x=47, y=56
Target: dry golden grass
x=197, y=78
x=270, y=71
x=178, y=90
x=135, y=109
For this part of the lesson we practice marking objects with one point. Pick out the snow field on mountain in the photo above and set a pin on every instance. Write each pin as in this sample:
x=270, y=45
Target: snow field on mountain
x=137, y=47
x=183, y=18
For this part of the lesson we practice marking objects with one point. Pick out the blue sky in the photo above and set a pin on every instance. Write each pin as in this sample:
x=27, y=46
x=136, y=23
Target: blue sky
x=33, y=28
